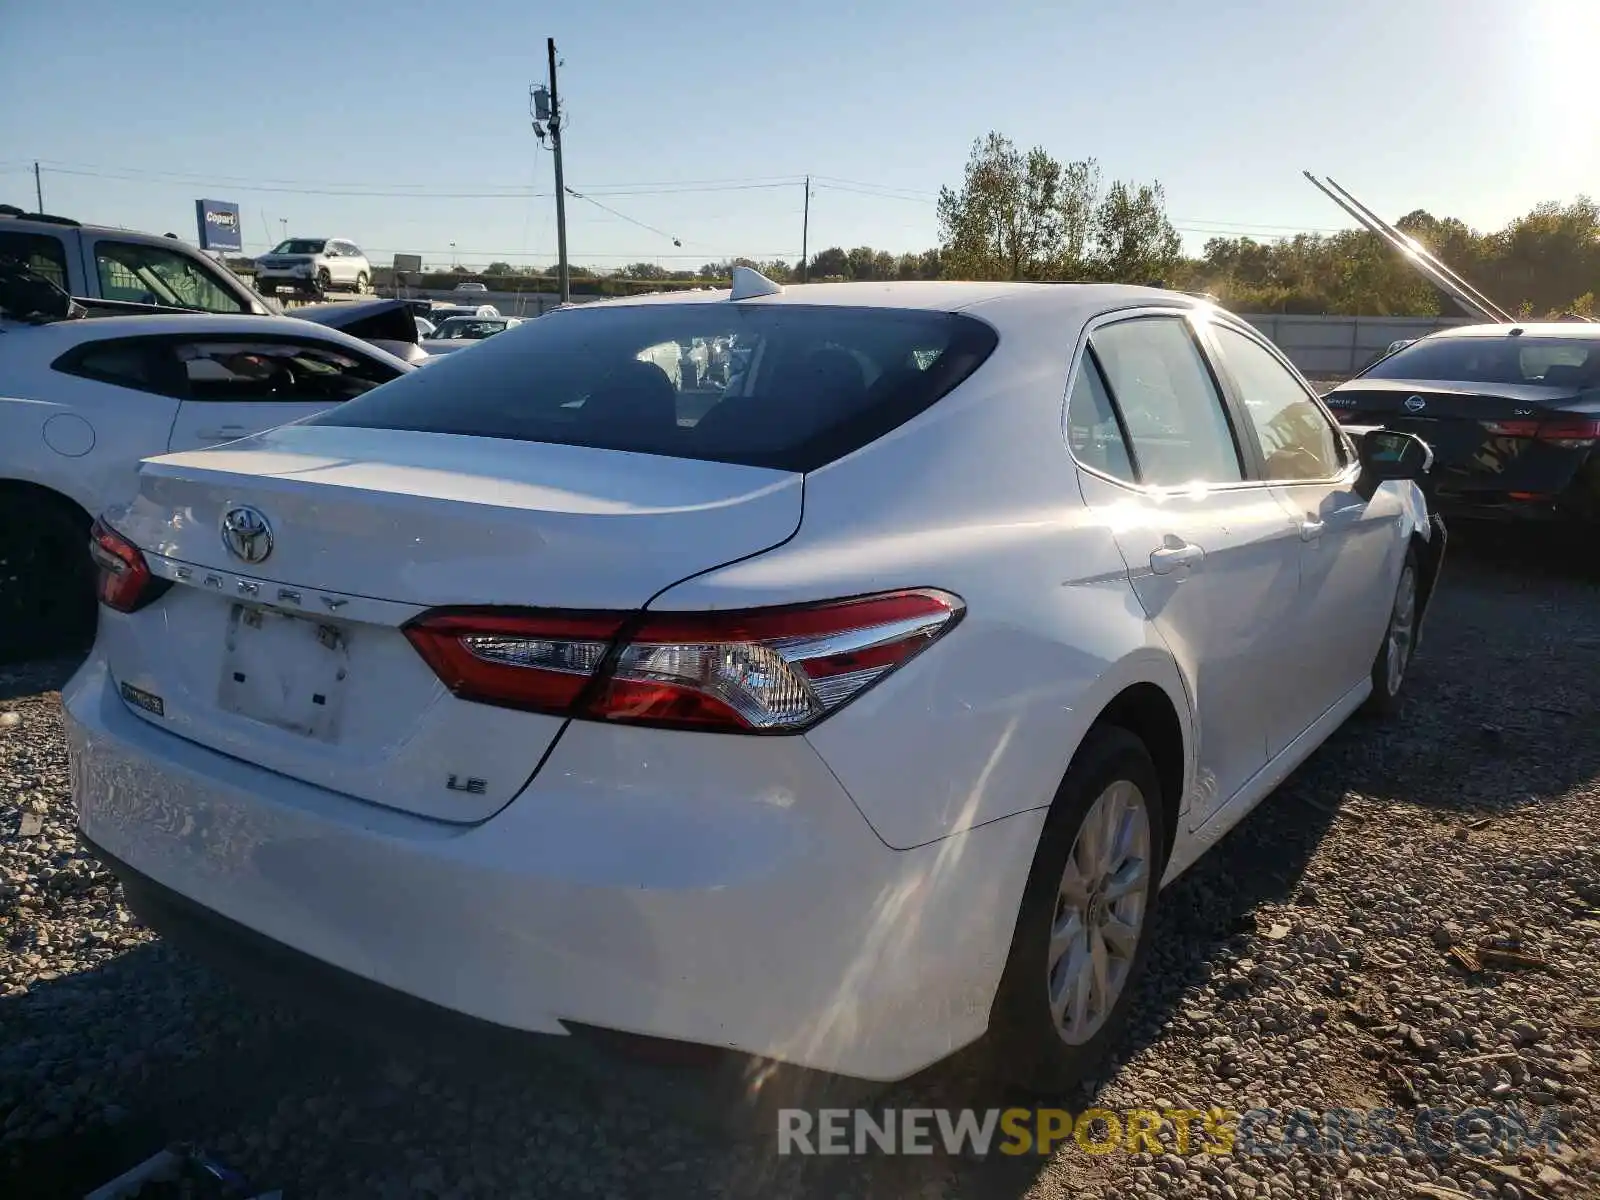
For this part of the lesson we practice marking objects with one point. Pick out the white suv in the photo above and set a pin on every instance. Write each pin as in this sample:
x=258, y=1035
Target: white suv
x=313, y=266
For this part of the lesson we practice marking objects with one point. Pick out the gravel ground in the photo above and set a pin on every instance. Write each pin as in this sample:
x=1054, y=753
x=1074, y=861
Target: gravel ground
x=1303, y=964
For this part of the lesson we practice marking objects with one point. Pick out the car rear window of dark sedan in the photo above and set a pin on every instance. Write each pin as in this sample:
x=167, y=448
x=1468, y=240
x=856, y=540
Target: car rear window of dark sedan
x=1555, y=362
x=786, y=386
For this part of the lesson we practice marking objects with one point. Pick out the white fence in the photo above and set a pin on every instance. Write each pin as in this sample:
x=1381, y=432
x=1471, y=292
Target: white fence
x=1337, y=347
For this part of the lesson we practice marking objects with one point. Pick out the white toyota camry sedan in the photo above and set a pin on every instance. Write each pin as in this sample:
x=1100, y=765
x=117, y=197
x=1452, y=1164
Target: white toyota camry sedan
x=843, y=714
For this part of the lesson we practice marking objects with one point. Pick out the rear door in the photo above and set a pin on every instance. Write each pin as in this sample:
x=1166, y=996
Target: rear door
x=235, y=386
x=1350, y=548
x=1211, y=553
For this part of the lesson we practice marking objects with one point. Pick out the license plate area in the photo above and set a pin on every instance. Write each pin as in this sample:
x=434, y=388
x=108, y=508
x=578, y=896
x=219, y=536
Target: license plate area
x=285, y=671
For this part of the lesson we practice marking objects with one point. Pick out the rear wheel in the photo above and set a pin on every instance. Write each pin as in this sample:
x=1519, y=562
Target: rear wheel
x=361, y=283
x=47, y=602
x=1081, y=938
x=1399, y=641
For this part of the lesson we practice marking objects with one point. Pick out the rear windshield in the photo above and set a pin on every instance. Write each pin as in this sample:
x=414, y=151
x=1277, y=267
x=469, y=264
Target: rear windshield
x=1554, y=362
x=785, y=386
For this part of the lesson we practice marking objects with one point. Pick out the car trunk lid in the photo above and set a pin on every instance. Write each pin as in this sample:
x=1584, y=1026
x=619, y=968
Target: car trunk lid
x=1501, y=437
x=297, y=661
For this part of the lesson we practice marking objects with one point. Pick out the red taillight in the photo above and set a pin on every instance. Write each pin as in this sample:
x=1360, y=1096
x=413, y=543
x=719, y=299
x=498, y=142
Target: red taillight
x=776, y=670
x=1512, y=429
x=538, y=661
x=126, y=583
x=1570, y=433
x=1567, y=432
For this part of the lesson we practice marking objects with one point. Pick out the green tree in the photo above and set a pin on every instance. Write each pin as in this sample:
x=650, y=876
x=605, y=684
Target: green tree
x=644, y=270
x=1005, y=220
x=1131, y=239
x=832, y=263
x=499, y=268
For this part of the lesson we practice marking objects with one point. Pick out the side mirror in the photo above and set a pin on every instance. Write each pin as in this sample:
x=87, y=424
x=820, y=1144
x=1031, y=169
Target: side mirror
x=1389, y=454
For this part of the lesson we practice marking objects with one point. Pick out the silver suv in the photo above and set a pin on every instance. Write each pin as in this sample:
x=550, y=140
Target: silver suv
x=313, y=267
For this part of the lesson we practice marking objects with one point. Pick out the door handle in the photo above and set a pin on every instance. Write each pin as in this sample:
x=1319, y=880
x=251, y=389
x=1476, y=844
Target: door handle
x=1173, y=553
x=1311, y=529
x=224, y=433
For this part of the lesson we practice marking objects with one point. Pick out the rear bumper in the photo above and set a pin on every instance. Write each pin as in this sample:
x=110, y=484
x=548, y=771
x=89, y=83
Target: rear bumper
x=648, y=882
x=1575, y=504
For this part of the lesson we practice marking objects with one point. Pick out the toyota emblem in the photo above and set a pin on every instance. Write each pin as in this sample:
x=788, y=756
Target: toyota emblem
x=246, y=534
x=1415, y=404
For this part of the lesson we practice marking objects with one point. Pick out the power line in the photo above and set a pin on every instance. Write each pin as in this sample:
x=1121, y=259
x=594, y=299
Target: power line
x=837, y=187
x=622, y=216
x=879, y=187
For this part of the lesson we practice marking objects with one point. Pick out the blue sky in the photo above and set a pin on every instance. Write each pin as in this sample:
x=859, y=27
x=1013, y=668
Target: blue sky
x=1474, y=108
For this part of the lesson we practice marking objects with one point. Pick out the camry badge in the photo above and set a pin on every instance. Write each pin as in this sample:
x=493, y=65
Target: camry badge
x=246, y=534
x=1415, y=404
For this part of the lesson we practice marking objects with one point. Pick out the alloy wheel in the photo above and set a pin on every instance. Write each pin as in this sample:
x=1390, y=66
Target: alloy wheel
x=1100, y=912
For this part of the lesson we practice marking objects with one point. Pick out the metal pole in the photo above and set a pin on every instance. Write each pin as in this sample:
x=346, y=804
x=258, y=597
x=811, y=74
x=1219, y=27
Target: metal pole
x=38, y=188
x=805, y=238
x=561, y=185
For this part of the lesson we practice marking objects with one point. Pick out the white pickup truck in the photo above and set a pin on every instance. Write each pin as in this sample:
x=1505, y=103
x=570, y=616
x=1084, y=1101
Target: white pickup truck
x=119, y=264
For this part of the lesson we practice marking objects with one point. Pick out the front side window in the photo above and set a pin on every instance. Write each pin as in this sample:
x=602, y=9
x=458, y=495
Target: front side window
x=800, y=386
x=242, y=369
x=156, y=275
x=1169, y=403
x=1297, y=441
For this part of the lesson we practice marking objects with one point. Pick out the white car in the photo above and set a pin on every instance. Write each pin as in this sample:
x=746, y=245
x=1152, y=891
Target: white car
x=458, y=332
x=82, y=401
x=440, y=313
x=313, y=266
x=856, y=721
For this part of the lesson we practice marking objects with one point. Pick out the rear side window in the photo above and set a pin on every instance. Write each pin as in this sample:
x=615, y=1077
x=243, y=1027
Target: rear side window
x=139, y=364
x=40, y=253
x=790, y=387
x=1169, y=403
x=1556, y=362
x=1093, y=431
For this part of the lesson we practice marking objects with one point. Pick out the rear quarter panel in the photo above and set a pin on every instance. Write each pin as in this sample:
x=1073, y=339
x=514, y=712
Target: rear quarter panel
x=978, y=495
x=78, y=437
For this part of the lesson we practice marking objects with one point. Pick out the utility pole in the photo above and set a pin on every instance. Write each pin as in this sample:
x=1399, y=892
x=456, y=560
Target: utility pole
x=805, y=237
x=38, y=188
x=561, y=184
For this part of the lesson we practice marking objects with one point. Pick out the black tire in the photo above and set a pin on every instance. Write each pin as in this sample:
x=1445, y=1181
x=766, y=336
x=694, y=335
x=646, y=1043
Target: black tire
x=1387, y=682
x=324, y=282
x=1024, y=1046
x=362, y=283
x=47, y=580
